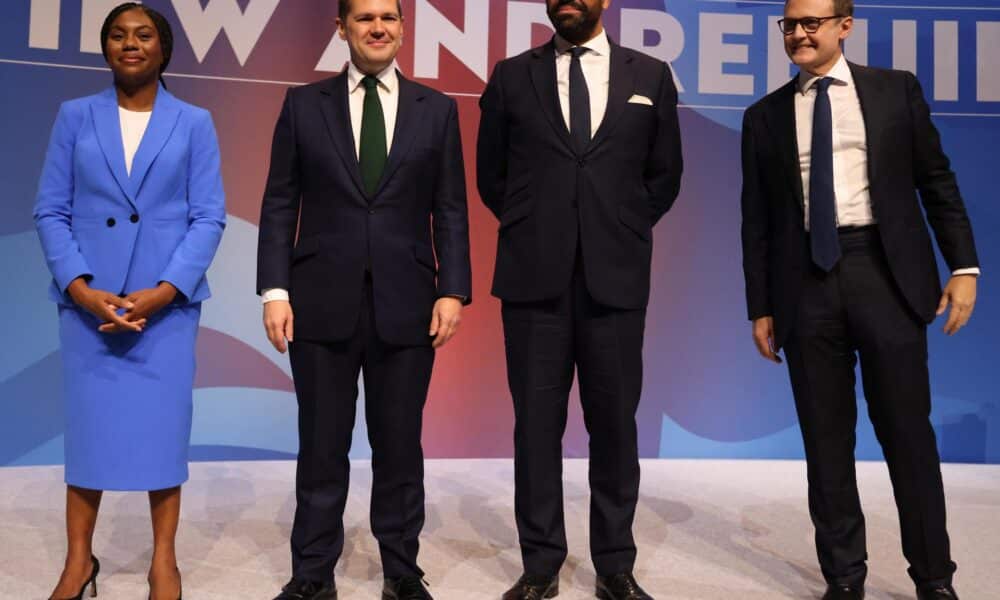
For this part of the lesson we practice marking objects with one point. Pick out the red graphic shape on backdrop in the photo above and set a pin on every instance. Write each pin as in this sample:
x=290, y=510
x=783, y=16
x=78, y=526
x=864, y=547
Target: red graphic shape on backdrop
x=224, y=361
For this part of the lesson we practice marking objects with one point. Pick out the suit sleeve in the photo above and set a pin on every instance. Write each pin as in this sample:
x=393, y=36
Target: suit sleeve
x=54, y=203
x=491, y=151
x=451, y=215
x=279, y=212
x=206, y=210
x=755, y=227
x=938, y=187
x=665, y=164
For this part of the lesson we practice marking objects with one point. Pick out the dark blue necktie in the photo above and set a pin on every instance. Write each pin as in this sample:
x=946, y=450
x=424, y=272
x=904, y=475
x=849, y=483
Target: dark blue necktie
x=823, y=239
x=579, y=101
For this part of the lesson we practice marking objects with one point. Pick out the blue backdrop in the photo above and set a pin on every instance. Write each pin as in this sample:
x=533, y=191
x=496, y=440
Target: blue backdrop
x=706, y=392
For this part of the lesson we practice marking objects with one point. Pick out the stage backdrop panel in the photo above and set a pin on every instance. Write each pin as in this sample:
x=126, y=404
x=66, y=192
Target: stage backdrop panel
x=706, y=392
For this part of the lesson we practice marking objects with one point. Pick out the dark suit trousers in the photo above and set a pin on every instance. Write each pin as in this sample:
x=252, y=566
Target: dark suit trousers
x=855, y=311
x=396, y=380
x=544, y=342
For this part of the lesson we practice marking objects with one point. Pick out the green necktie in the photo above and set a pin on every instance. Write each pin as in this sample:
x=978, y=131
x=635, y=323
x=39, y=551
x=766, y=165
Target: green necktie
x=372, y=155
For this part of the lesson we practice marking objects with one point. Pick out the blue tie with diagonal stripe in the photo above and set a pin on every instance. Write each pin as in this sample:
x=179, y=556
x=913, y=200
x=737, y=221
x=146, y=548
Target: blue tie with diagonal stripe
x=823, y=240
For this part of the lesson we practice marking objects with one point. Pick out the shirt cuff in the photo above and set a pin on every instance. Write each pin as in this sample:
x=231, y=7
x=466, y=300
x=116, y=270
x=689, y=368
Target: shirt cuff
x=272, y=294
x=967, y=271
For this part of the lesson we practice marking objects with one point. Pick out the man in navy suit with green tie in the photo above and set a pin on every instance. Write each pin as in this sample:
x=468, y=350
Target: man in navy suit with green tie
x=367, y=168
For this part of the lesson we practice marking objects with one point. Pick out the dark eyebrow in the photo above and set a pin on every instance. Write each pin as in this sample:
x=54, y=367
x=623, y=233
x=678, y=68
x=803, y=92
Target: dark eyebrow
x=394, y=15
x=121, y=29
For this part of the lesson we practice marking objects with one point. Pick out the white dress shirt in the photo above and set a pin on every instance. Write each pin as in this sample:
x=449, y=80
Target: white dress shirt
x=596, y=65
x=388, y=94
x=850, y=147
x=133, y=125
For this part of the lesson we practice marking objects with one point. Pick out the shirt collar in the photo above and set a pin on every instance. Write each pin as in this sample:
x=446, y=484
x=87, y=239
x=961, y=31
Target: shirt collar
x=840, y=73
x=386, y=78
x=599, y=45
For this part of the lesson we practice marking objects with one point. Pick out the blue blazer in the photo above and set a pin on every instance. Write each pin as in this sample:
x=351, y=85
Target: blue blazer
x=128, y=232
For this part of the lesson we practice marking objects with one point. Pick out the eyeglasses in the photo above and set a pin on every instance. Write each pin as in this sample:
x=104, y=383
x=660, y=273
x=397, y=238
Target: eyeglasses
x=809, y=24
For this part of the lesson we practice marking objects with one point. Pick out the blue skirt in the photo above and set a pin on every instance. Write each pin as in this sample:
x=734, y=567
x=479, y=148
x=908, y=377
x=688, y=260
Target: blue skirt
x=128, y=400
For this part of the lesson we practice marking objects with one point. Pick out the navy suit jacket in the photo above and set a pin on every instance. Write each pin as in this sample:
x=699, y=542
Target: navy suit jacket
x=553, y=199
x=129, y=232
x=418, y=210
x=904, y=158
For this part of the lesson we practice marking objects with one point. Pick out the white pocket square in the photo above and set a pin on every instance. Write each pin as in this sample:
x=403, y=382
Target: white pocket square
x=637, y=99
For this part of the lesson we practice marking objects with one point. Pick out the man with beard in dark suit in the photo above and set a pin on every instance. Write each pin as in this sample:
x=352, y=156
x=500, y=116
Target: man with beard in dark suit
x=579, y=156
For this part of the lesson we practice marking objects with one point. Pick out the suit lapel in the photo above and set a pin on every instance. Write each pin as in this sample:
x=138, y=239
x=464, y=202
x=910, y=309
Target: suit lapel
x=781, y=122
x=408, y=111
x=620, y=89
x=871, y=94
x=161, y=125
x=337, y=116
x=107, y=124
x=543, y=77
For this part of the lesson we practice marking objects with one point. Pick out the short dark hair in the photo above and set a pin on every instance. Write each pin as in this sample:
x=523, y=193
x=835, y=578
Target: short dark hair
x=344, y=8
x=842, y=8
x=163, y=29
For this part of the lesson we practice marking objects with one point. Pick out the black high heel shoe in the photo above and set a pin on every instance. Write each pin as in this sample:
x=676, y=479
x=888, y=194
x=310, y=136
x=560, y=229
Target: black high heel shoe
x=91, y=581
x=180, y=594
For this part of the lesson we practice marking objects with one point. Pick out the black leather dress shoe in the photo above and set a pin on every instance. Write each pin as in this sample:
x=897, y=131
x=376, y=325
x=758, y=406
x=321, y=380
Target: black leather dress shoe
x=944, y=592
x=300, y=589
x=844, y=592
x=533, y=587
x=622, y=586
x=405, y=588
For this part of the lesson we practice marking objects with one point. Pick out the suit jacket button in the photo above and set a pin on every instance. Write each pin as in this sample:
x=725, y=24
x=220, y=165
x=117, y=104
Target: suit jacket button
x=582, y=163
x=371, y=211
x=134, y=218
x=111, y=222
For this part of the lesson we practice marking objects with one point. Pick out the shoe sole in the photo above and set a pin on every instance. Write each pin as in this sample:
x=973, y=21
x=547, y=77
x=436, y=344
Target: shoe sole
x=388, y=596
x=550, y=593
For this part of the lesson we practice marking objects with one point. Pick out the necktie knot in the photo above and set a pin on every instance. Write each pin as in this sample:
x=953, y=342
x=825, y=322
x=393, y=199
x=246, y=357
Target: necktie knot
x=577, y=51
x=823, y=84
x=370, y=82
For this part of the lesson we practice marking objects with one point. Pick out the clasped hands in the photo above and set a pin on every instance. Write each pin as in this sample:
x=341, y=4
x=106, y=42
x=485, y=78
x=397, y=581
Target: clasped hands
x=278, y=322
x=138, y=306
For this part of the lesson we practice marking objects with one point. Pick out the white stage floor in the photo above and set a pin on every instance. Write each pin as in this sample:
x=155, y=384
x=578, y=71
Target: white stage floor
x=706, y=530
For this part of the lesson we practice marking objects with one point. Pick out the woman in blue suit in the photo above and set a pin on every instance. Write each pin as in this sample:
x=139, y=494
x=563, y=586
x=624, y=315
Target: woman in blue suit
x=130, y=211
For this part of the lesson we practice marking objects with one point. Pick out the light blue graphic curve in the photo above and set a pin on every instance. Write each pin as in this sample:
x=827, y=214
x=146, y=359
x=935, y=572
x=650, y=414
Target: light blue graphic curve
x=258, y=419
x=235, y=308
x=31, y=331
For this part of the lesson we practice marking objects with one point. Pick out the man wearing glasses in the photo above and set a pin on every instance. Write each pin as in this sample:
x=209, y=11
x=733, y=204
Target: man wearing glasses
x=839, y=266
